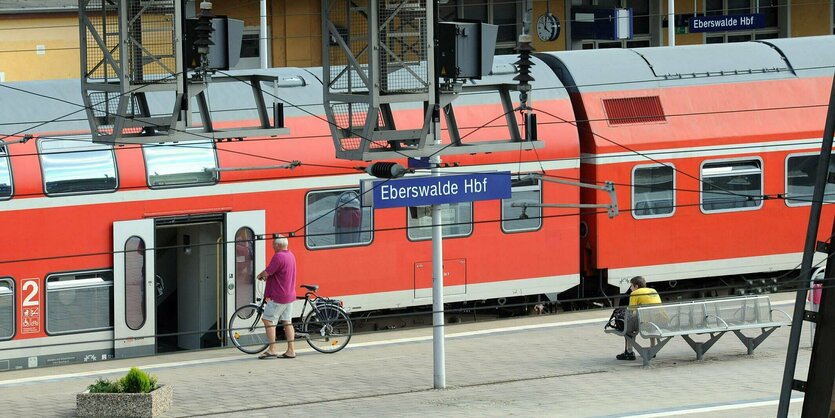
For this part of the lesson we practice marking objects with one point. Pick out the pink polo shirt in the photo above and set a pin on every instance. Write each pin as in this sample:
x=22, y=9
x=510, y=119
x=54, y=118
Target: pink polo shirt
x=281, y=279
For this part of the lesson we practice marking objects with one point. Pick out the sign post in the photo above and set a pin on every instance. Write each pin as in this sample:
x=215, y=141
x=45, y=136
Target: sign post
x=438, y=337
x=436, y=190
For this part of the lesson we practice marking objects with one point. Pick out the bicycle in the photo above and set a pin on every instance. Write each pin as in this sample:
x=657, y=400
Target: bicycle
x=326, y=327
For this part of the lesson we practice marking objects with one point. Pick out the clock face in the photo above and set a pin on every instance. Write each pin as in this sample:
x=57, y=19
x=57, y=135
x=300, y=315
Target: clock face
x=547, y=27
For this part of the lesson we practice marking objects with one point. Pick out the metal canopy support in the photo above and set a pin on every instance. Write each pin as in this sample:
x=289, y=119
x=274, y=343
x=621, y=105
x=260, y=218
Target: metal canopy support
x=820, y=383
x=377, y=54
x=132, y=50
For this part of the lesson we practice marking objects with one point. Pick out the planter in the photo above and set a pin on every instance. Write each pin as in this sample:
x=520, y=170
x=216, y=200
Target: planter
x=124, y=404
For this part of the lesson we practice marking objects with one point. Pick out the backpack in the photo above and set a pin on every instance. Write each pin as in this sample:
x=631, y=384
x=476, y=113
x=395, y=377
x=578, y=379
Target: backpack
x=617, y=320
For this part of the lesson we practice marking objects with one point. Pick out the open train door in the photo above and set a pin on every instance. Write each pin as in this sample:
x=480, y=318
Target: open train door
x=245, y=258
x=134, y=306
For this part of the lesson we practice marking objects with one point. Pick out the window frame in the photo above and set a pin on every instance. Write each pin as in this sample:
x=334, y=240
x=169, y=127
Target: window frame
x=429, y=238
x=75, y=273
x=13, y=288
x=632, y=196
x=520, y=230
x=5, y=154
x=337, y=246
x=239, y=295
x=730, y=160
x=143, y=290
x=786, y=180
x=40, y=152
x=215, y=176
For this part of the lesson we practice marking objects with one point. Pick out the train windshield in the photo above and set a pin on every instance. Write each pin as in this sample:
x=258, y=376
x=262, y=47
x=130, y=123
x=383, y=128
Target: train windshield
x=77, y=166
x=181, y=164
x=5, y=175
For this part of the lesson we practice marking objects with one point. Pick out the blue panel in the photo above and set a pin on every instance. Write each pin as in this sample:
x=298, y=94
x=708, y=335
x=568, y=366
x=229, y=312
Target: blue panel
x=455, y=188
x=597, y=23
x=727, y=23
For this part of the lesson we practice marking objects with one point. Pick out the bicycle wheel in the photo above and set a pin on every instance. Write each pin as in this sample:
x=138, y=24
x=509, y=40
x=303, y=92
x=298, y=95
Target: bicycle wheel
x=329, y=329
x=246, y=330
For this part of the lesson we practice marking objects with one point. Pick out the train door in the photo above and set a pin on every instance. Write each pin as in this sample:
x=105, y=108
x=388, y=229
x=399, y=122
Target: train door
x=189, y=282
x=245, y=258
x=133, y=285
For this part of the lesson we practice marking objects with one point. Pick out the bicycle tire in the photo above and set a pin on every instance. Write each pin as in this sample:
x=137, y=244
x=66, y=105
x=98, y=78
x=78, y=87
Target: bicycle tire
x=331, y=332
x=246, y=332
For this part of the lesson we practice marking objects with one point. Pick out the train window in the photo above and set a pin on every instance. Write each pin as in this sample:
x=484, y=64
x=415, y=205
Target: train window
x=5, y=175
x=516, y=219
x=7, y=309
x=73, y=167
x=334, y=218
x=653, y=193
x=801, y=171
x=732, y=185
x=135, y=282
x=456, y=218
x=181, y=164
x=78, y=302
x=244, y=267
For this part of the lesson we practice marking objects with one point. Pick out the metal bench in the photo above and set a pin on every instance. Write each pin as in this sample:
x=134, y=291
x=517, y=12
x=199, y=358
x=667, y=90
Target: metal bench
x=712, y=317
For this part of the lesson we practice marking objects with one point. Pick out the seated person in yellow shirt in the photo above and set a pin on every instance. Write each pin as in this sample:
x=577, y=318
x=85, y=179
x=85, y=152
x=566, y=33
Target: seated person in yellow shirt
x=640, y=295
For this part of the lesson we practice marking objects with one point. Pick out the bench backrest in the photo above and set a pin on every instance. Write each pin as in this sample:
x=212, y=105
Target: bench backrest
x=701, y=316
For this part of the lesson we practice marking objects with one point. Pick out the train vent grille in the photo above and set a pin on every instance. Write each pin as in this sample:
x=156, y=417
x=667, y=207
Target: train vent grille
x=631, y=110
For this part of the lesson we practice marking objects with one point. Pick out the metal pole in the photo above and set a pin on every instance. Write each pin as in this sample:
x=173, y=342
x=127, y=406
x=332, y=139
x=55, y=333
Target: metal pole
x=438, y=351
x=808, y=256
x=671, y=22
x=262, y=36
x=819, y=383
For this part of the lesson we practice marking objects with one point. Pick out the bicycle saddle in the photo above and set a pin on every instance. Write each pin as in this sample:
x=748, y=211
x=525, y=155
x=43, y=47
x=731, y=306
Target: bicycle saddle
x=310, y=287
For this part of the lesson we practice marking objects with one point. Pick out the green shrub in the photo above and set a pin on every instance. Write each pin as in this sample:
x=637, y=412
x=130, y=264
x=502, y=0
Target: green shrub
x=137, y=381
x=104, y=386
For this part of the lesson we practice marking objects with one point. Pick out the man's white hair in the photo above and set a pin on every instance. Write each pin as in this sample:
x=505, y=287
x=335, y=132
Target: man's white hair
x=281, y=241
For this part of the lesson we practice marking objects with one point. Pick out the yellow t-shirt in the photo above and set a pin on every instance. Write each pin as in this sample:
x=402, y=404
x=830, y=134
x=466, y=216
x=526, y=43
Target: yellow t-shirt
x=643, y=296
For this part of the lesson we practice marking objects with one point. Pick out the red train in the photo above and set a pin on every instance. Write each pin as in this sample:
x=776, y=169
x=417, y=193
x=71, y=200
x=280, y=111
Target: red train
x=126, y=250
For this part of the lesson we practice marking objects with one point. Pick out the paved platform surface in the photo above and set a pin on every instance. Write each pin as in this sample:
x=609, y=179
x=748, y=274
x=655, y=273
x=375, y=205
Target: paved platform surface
x=559, y=365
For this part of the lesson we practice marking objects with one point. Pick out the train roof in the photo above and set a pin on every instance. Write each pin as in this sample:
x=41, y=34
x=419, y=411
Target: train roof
x=56, y=105
x=809, y=56
x=645, y=68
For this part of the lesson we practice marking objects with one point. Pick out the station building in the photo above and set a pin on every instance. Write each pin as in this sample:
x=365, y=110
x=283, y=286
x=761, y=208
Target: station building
x=39, y=39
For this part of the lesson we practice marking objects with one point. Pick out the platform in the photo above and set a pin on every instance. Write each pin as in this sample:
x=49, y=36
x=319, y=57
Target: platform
x=560, y=365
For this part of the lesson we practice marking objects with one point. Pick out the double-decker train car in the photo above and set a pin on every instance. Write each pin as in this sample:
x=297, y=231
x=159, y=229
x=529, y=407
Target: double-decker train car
x=719, y=146
x=126, y=250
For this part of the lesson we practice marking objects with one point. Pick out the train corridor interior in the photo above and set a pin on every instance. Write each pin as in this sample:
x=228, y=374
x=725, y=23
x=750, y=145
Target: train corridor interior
x=188, y=300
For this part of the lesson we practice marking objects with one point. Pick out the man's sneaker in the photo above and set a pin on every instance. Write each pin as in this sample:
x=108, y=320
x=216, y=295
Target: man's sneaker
x=625, y=356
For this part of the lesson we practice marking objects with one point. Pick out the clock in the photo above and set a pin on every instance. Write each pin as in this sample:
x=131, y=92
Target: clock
x=547, y=27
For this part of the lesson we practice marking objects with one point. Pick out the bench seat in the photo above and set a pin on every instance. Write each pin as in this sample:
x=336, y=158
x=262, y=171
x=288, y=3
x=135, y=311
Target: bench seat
x=713, y=317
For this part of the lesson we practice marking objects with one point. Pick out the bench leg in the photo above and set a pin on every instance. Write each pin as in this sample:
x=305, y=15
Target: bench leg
x=701, y=347
x=647, y=353
x=752, y=342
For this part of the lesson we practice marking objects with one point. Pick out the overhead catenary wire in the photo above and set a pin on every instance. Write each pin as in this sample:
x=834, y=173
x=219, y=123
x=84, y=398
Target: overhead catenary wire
x=487, y=124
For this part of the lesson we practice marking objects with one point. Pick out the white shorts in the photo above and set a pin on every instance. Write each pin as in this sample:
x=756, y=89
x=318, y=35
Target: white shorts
x=275, y=312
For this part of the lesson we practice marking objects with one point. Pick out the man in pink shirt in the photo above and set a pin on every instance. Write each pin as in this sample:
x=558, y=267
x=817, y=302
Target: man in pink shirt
x=280, y=293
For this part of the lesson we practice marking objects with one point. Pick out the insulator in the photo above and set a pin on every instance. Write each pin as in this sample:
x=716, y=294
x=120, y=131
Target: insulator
x=524, y=77
x=386, y=170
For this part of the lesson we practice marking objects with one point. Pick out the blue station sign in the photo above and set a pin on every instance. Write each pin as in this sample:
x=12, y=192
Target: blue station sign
x=424, y=191
x=726, y=23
